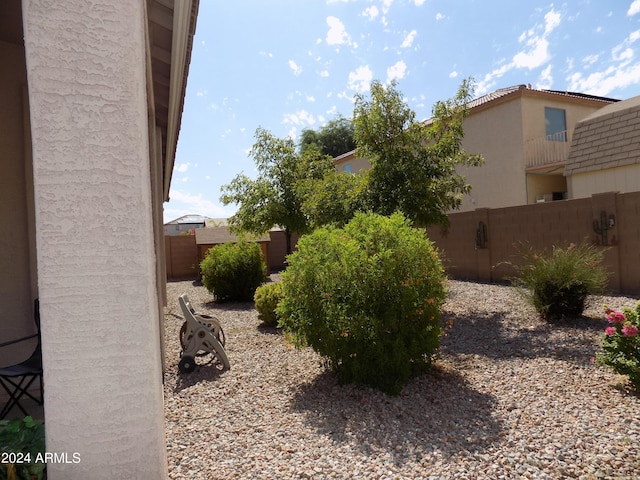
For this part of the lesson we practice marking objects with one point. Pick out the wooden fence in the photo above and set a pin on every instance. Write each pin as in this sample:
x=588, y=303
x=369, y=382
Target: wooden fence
x=181, y=253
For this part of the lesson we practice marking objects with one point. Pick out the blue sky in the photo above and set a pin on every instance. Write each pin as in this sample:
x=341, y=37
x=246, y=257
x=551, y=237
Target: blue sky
x=287, y=65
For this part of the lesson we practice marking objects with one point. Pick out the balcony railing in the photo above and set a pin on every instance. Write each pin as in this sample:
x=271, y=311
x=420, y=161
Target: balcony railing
x=548, y=150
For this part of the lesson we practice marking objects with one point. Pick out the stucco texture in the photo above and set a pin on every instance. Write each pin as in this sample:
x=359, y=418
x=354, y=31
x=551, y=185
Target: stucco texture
x=96, y=262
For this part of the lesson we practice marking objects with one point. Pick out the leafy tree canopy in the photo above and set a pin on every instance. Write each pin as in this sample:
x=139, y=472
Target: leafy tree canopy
x=273, y=199
x=413, y=163
x=333, y=139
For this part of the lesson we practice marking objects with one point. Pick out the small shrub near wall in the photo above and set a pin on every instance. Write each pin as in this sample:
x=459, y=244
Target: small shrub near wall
x=233, y=271
x=557, y=283
x=621, y=343
x=267, y=298
x=367, y=297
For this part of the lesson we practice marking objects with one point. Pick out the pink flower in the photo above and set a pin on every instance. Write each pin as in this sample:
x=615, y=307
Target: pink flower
x=610, y=331
x=609, y=311
x=629, y=330
x=616, y=317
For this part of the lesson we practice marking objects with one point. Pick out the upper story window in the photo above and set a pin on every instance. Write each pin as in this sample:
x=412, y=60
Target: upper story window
x=347, y=168
x=556, y=124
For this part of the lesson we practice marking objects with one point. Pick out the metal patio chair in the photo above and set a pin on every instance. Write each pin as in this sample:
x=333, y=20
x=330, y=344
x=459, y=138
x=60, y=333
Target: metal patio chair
x=16, y=379
x=201, y=336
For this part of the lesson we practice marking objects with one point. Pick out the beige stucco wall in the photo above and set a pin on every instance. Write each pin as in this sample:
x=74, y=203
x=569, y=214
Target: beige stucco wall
x=357, y=164
x=97, y=276
x=621, y=179
x=544, y=184
x=533, y=112
x=16, y=292
x=500, y=134
x=496, y=133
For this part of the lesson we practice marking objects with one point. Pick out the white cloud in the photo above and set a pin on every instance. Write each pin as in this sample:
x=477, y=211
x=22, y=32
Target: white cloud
x=360, y=80
x=311, y=98
x=386, y=5
x=634, y=8
x=590, y=59
x=299, y=118
x=545, y=81
x=408, y=39
x=371, y=12
x=396, y=71
x=419, y=3
x=184, y=204
x=201, y=93
x=184, y=179
x=489, y=79
x=535, y=53
x=440, y=16
x=297, y=70
x=603, y=83
x=337, y=35
x=453, y=74
x=619, y=74
x=623, y=51
x=324, y=73
x=182, y=167
x=537, y=56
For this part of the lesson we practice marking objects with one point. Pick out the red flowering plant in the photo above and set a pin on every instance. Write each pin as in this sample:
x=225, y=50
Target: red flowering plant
x=621, y=343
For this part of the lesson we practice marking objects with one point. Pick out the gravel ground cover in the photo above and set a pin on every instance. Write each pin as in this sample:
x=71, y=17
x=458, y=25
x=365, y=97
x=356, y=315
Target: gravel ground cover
x=511, y=397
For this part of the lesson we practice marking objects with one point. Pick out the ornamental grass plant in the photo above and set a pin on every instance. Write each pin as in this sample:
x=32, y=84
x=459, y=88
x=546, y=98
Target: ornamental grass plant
x=557, y=282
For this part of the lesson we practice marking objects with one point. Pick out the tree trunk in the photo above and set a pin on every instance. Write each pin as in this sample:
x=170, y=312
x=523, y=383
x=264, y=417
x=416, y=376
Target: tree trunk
x=287, y=235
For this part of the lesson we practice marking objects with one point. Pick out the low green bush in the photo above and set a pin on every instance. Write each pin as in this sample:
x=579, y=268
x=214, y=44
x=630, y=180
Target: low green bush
x=366, y=297
x=621, y=343
x=22, y=447
x=233, y=271
x=267, y=298
x=557, y=283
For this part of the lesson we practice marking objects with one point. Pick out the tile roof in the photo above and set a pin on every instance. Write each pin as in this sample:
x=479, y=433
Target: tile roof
x=607, y=138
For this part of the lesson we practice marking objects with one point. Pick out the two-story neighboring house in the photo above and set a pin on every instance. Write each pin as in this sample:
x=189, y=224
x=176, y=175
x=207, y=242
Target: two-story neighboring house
x=524, y=136
x=185, y=224
x=605, y=152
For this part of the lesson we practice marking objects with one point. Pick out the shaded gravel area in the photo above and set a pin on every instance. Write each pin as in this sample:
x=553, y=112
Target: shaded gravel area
x=510, y=397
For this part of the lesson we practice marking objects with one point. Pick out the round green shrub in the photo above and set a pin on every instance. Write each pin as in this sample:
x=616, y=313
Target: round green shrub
x=558, y=283
x=267, y=297
x=233, y=271
x=366, y=297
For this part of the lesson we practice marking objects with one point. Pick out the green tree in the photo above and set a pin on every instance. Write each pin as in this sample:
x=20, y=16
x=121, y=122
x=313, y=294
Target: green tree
x=273, y=197
x=334, y=199
x=413, y=164
x=333, y=139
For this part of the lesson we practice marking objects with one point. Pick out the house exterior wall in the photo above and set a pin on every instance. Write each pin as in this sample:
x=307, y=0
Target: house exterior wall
x=620, y=179
x=497, y=134
x=357, y=164
x=16, y=291
x=502, y=132
x=97, y=277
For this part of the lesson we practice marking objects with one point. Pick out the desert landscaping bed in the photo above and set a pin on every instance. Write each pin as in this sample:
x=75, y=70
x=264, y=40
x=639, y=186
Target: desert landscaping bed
x=511, y=396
